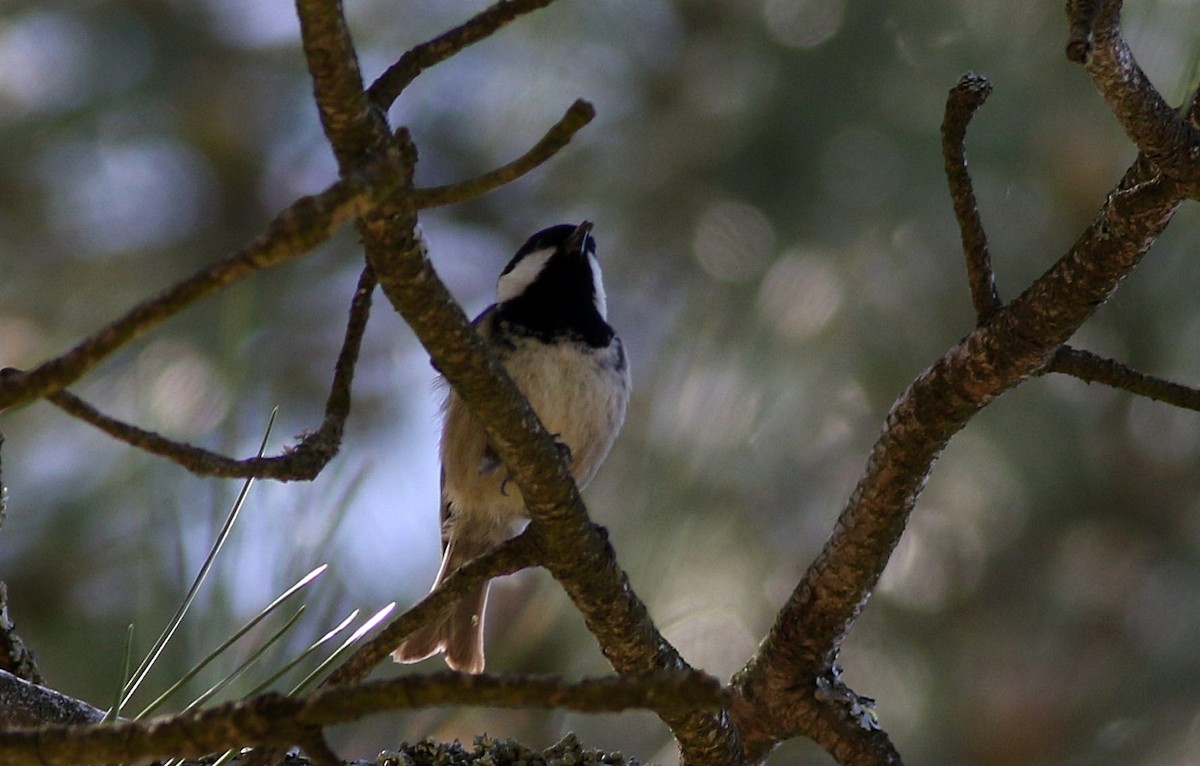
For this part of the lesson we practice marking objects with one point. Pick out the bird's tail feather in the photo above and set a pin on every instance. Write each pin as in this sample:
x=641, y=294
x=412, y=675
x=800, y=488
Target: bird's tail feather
x=458, y=632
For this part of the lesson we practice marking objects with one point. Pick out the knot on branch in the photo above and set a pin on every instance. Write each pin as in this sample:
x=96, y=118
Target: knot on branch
x=860, y=709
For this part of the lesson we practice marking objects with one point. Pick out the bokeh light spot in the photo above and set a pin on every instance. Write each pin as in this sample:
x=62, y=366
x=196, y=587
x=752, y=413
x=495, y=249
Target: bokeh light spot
x=178, y=389
x=43, y=61
x=733, y=241
x=114, y=197
x=803, y=23
x=799, y=295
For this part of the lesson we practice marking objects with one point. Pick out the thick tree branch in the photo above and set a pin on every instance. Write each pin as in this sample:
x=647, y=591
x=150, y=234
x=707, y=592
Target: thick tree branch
x=1092, y=368
x=560, y=134
x=965, y=98
x=28, y=703
x=275, y=720
x=302, y=462
x=388, y=87
x=355, y=130
x=572, y=549
x=1158, y=130
x=302, y=226
x=1018, y=341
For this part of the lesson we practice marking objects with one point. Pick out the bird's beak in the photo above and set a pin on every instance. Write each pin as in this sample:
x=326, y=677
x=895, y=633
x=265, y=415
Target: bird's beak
x=578, y=238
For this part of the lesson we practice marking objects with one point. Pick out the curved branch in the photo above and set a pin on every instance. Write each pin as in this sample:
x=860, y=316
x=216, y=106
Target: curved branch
x=306, y=223
x=574, y=552
x=1158, y=130
x=1017, y=342
x=389, y=85
x=558, y=136
x=275, y=720
x=965, y=98
x=302, y=462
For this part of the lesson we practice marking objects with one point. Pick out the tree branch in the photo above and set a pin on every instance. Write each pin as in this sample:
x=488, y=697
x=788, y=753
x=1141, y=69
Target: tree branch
x=355, y=130
x=1158, y=130
x=558, y=136
x=1081, y=15
x=965, y=98
x=1092, y=368
x=302, y=462
x=507, y=558
x=275, y=720
x=572, y=549
x=1017, y=341
x=388, y=87
x=302, y=226
x=28, y=703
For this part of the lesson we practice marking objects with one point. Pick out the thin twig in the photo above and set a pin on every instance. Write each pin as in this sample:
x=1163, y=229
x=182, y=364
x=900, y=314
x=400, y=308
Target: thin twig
x=305, y=224
x=389, y=85
x=507, y=558
x=558, y=136
x=1092, y=368
x=302, y=462
x=965, y=98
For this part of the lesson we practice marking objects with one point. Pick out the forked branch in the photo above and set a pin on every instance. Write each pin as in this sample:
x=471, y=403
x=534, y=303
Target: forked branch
x=302, y=226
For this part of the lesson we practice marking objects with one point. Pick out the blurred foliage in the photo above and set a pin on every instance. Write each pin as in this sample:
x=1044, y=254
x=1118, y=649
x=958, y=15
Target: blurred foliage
x=765, y=178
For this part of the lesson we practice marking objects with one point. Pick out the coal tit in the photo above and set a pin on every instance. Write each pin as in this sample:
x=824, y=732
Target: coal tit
x=549, y=329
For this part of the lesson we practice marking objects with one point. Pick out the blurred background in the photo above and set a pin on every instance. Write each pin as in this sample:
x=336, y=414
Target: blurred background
x=781, y=259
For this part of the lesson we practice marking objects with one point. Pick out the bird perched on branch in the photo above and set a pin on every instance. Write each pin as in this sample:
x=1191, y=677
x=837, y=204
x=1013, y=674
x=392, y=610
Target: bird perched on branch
x=549, y=329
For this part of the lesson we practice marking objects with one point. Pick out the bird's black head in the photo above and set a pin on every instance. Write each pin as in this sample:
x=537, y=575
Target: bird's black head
x=551, y=289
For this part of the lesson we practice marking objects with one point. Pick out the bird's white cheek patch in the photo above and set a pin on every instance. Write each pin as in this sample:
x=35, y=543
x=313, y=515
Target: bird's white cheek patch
x=601, y=299
x=522, y=276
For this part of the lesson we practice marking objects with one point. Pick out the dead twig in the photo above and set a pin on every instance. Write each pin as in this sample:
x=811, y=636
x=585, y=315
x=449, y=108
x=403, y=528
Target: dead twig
x=1092, y=368
x=965, y=98
x=389, y=85
x=302, y=226
x=558, y=136
x=301, y=462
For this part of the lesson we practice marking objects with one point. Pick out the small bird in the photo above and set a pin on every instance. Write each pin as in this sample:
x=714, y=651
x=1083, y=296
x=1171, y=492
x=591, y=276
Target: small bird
x=549, y=329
